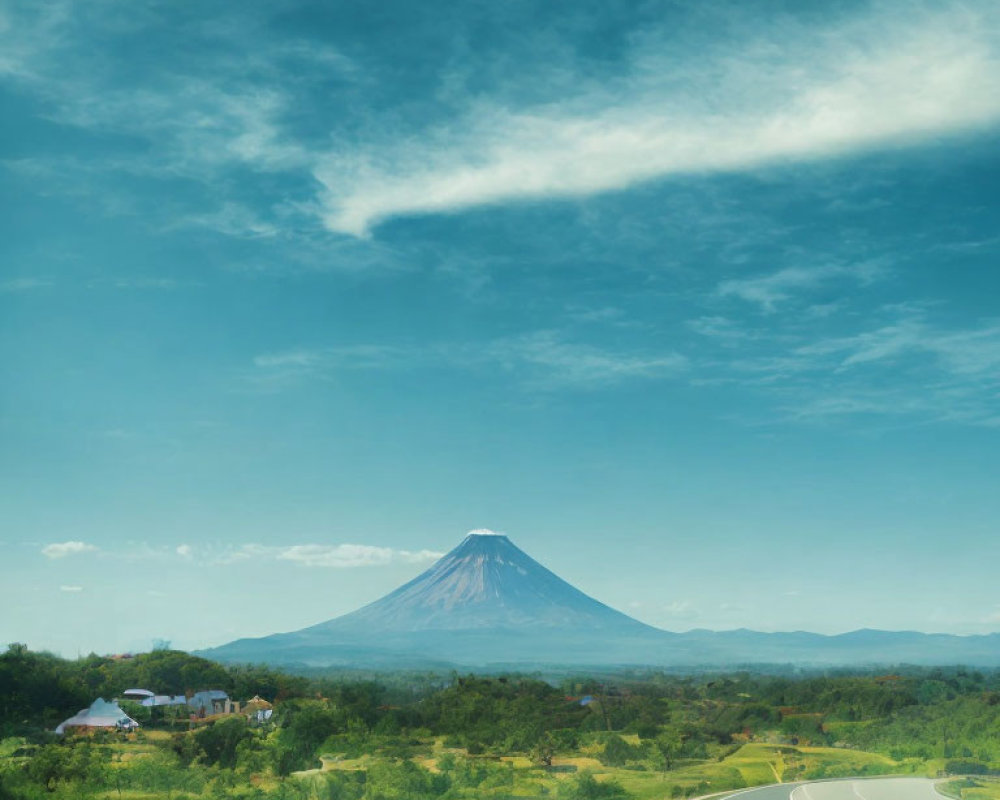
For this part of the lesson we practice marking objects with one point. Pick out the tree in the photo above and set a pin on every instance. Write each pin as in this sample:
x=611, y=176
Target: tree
x=220, y=741
x=307, y=724
x=587, y=787
x=667, y=747
x=616, y=752
x=446, y=763
x=46, y=767
x=544, y=750
x=140, y=713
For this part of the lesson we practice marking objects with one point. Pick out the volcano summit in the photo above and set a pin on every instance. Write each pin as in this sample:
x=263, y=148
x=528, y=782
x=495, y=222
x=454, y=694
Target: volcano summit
x=486, y=583
x=486, y=601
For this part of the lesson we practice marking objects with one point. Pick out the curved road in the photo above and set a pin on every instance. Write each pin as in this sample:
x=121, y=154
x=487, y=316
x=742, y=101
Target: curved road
x=846, y=789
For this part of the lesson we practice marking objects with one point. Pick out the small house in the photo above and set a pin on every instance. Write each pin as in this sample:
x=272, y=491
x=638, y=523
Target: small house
x=158, y=700
x=257, y=703
x=211, y=701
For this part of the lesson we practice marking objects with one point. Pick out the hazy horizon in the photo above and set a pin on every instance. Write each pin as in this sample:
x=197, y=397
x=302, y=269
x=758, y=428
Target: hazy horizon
x=695, y=302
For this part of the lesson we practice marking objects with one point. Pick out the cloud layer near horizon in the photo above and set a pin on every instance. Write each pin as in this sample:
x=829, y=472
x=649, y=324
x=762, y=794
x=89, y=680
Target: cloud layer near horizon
x=63, y=549
x=338, y=556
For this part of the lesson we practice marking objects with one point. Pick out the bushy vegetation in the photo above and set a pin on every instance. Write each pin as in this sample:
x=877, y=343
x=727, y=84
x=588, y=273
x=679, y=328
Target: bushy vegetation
x=422, y=736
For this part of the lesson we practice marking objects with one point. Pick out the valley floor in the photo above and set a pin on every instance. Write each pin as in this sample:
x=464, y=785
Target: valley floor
x=627, y=736
x=134, y=769
x=752, y=764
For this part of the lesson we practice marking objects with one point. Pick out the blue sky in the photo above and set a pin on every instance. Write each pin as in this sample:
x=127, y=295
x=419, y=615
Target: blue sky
x=698, y=302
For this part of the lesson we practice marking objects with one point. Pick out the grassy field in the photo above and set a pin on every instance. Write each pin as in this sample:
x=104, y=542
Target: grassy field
x=751, y=765
x=977, y=788
x=516, y=775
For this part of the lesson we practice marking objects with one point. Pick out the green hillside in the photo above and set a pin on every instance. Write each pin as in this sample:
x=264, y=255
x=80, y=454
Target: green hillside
x=414, y=736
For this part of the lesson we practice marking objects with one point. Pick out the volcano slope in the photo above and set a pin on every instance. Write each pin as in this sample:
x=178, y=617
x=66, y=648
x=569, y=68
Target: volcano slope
x=485, y=602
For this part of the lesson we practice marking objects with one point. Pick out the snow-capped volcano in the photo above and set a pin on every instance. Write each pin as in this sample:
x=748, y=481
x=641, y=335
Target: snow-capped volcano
x=485, y=582
x=485, y=601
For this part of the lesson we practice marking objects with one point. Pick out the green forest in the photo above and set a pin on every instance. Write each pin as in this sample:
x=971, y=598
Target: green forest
x=409, y=736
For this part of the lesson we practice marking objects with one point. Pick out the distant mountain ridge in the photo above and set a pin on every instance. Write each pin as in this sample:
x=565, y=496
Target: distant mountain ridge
x=487, y=603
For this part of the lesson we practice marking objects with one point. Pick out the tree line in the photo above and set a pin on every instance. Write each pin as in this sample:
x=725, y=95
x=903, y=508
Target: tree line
x=649, y=721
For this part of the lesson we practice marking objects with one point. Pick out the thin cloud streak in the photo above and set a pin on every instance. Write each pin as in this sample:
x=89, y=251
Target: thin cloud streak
x=769, y=291
x=965, y=352
x=945, y=374
x=63, y=549
x=23, y=285
x=540, y=360
x=867, y=89
x=226, y=110
x=553, y=363
x=339, y=556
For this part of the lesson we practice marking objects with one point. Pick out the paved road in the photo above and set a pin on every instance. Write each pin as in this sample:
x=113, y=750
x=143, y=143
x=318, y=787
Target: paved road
x=867, y=789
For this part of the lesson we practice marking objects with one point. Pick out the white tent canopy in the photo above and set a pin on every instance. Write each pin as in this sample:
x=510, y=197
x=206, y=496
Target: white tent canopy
x=101, y=714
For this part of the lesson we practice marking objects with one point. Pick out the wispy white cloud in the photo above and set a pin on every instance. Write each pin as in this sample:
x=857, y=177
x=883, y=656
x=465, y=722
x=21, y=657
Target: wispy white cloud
x=24, y=284
x=140, y=551
x=938, y=371
x=793, y=92
x=823, y=310
x=604, y=314
x=24, y=33
x=962, y=352
x=225, y=107
x=362, y=356
x=806, y=372
x=722, y=329
x=233, y=219
x=993, y=617
x=352, y=555
x=339, y=556
x=681, y=610
x=280, y=370
x=150, y=283
x=538, y=360
x=185, y=551
x=769, y=290
x=886, y=79
x=292, y=358
x=552, y=362
x=71, y=589
x=63, y=549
